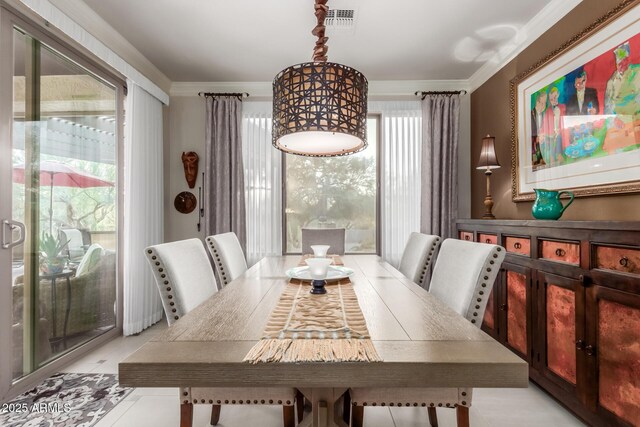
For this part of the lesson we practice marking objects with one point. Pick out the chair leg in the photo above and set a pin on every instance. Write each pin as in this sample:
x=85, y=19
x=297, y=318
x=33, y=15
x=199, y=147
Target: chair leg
x=357, y=416
x=462, y=415
x=300, y=406
x=433, y=416
x=289, y=416
x=215, y=414
x=346, y=408
x=186, y=414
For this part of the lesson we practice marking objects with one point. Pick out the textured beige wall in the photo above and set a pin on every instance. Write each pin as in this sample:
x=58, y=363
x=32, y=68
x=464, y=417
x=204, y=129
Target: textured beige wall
x=490, y=114
x=186, y=128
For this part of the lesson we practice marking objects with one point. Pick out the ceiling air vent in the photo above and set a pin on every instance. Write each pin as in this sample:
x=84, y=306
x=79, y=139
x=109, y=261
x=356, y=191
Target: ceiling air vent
x=340, y=19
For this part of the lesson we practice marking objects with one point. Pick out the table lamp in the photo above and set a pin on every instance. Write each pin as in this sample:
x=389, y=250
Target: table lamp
x=488, y=161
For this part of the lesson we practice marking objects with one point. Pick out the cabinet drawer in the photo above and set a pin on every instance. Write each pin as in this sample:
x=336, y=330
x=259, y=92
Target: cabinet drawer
x=488, y=238
x=568, y=252
x=518, y=245
x=466, y=235
x=619, y=259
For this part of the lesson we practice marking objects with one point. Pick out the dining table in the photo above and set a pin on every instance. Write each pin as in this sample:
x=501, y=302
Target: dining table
x=420, y=342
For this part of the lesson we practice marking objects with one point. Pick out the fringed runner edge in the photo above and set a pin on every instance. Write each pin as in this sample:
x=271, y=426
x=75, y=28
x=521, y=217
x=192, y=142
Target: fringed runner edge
x=312, y=350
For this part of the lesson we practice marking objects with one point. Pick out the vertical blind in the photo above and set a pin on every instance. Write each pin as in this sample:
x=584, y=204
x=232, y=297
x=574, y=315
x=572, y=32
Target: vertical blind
x=143, y=213
x=401, y=139
x=263, y=183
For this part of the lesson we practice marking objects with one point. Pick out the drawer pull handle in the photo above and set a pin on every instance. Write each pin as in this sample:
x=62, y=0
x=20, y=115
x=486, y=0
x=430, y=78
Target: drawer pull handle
x=624, y=261
x=517, y=245
x=503, y=307
x=560, y=252
x=580, y=345
x=487, y=240
x=466, y=237
x=590, y=350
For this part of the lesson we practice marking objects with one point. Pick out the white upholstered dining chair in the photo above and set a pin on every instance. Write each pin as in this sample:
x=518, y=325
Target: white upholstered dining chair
x=464, y=287
x=185, y=279
x=417, y=256
x=227, y=255
x=334, y=237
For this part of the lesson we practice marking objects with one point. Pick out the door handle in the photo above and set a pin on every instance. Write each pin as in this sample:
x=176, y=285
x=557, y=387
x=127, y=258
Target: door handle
x=11, y=225
x=590, y=350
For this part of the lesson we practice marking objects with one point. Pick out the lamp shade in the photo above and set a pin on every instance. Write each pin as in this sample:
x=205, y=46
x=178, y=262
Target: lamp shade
x=320, y=110
x=488, y=159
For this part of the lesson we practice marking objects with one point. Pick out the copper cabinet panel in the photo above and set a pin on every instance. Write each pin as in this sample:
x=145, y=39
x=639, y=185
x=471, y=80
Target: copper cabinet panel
x=488, y=320
x=518, y=245
x=488, y=238
x=617, y=258
x=560, y=251
x=619, y=359
x=517, y=311
x=466, y=235
x=561, y=332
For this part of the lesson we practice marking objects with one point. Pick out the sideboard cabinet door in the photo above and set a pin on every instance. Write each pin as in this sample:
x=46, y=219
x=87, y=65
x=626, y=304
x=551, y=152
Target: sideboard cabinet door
x=516, y=309
x=560, y=332
x=613, y=354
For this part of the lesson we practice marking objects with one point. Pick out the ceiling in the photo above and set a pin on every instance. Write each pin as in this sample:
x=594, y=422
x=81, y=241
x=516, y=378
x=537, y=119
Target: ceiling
x=252, y=40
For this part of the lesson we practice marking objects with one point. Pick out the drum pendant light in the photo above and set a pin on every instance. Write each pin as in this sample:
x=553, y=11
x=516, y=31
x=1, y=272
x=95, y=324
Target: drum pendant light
x=320, y=107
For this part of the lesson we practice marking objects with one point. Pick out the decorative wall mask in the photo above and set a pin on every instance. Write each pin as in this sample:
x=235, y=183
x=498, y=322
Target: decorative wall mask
x=190, y=163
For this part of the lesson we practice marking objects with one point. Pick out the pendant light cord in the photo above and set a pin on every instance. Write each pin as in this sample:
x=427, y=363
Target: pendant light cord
x=320, y=50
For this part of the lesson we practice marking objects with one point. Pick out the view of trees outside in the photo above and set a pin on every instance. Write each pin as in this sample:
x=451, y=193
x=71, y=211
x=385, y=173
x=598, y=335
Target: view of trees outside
x=334, y=192
x=92, y=209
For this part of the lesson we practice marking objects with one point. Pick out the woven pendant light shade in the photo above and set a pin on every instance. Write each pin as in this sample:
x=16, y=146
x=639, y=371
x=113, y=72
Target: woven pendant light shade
x=320, y=109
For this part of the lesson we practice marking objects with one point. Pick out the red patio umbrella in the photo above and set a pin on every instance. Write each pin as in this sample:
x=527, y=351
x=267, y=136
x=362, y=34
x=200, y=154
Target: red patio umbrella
x=60, y=175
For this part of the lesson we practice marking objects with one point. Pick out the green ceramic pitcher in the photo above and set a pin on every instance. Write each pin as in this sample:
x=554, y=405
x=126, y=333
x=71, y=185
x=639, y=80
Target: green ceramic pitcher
x=548, y=205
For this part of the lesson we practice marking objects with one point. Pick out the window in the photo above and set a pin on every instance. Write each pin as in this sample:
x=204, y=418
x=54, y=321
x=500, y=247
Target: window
x=336, y=192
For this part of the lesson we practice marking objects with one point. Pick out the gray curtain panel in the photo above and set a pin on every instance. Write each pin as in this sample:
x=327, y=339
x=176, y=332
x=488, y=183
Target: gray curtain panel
x=440, y=128
x=224, y=171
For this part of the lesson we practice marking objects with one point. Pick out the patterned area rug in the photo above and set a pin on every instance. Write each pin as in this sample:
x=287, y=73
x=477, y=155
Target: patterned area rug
x=73, y=400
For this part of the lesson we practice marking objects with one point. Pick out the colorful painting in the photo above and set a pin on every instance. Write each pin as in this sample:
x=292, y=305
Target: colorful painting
x=577, y=115
x=591, y=111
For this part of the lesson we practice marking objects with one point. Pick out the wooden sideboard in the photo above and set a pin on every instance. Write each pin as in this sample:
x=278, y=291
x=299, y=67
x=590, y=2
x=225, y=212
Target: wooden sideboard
x=568, y=302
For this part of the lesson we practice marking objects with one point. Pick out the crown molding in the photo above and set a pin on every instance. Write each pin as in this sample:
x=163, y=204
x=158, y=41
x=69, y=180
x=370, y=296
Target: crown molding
x=377, y=88
x=531, y=31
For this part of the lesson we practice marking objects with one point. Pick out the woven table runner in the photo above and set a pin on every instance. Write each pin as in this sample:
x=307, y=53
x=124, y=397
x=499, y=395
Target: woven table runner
x=315, y=328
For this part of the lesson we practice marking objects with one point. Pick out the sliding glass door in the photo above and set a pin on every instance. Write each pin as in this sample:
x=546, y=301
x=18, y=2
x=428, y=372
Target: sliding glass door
x=59, y=209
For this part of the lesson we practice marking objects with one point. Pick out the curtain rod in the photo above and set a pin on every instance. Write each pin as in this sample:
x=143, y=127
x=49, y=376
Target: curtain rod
x=214, y=94
x=423, y=94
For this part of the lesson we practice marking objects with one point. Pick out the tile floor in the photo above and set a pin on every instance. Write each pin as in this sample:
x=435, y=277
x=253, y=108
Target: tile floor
x=159, y=407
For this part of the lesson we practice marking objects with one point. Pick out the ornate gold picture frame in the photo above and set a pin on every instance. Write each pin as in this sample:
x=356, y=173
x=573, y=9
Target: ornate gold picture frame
x=576, y=113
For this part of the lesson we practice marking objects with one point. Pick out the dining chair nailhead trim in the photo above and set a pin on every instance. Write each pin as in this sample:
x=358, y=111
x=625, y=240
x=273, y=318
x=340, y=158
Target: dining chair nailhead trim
x=160, y=268
x=400, y=404
x=427, y=262
x=218, y=261
x=484, y=285
x=242, y=402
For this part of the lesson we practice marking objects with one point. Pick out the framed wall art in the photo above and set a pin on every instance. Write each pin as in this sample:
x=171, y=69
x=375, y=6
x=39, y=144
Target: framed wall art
x=576, y=114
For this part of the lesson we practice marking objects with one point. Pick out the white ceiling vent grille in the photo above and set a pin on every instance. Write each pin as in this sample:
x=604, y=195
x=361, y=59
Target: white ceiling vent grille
x=341, y=19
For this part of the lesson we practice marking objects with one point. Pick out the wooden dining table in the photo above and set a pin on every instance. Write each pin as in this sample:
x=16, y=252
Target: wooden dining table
x=421, y=341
